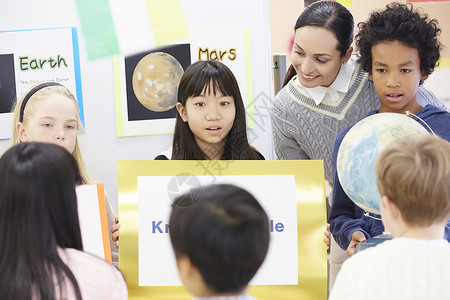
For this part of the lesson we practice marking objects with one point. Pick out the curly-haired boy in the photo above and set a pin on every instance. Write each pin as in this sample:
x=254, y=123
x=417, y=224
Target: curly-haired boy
x=399, y=48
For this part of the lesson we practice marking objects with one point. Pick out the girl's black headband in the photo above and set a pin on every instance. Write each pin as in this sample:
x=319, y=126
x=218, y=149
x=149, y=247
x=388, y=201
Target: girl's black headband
x=31, y=93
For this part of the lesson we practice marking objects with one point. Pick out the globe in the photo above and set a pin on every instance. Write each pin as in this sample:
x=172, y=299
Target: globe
x=155, y=81
x=360, y=149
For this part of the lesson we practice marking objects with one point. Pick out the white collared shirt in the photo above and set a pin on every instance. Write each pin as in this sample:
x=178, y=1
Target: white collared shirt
x=337, y=88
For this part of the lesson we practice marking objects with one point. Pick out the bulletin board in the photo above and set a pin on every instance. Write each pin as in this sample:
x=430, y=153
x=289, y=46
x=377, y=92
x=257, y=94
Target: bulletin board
x=100, y=145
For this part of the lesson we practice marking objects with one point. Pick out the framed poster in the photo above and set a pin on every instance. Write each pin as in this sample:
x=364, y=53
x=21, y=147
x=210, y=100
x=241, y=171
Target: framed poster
x=146, y=89
x=291, y=192
x=29, y=57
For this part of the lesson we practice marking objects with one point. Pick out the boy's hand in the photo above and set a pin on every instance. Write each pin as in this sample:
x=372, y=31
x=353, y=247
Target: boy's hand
x=357, y=236
x=327, y=235
x=115, y=232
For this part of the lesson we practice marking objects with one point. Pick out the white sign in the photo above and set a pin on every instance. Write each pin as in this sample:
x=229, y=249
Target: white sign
x=157, y=264
x=93, y=220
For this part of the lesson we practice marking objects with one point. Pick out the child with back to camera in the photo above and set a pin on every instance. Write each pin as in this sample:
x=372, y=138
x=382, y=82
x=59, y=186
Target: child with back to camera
x=41, y=251
x=48, y=113
x=210, y=122
x=220, y=240
x=413, y=177
x=399, y=48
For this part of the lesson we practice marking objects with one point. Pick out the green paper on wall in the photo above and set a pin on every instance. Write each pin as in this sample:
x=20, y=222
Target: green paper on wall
x=98, y=28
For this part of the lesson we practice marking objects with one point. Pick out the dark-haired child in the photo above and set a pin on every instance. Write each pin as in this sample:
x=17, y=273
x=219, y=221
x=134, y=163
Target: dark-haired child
x=41, y=251
x=220, y=240
x=399, y=48
x=210, y=122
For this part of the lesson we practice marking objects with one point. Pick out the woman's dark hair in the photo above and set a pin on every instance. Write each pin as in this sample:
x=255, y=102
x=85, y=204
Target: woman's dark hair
x=329, y=15
x=403, y=23
x=224, y=232
x=38, y=213
x=203, y=76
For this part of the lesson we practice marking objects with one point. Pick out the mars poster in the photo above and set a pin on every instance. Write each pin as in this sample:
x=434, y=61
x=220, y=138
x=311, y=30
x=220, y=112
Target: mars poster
x=146, y=83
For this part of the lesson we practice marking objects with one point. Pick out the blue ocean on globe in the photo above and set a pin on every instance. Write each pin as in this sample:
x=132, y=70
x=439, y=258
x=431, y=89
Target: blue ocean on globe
x=359, y=151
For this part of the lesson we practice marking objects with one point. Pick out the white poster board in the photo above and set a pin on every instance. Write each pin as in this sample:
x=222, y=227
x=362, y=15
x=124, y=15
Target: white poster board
x=154, y=204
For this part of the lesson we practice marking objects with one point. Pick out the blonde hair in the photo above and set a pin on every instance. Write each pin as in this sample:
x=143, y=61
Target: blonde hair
x=414, y=172
x=41, y=95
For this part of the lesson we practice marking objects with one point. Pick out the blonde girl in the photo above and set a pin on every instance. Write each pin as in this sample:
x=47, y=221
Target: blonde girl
x=29, y=112
x=48, y=113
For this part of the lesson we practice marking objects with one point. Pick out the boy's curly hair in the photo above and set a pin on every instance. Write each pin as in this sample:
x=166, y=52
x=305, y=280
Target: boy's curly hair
x=403, y=23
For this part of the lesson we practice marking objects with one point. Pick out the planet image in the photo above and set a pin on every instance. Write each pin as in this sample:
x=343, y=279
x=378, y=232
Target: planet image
x=155, y=81
x=360, y=149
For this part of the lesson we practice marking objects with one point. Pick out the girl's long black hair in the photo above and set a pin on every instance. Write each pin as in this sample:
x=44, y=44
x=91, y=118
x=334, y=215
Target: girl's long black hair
x=38, y=213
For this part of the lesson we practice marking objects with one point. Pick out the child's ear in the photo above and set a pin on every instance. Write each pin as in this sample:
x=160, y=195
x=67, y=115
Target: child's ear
x=187, y=270
x=190, y=276
x=390, y=207
x=423, y=77
x=182, y=264
x=370, y=76
x=182, y=111
x=21, y=132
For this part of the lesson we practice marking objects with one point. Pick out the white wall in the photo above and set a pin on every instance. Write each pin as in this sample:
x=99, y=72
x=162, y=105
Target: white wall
x=100, y=145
